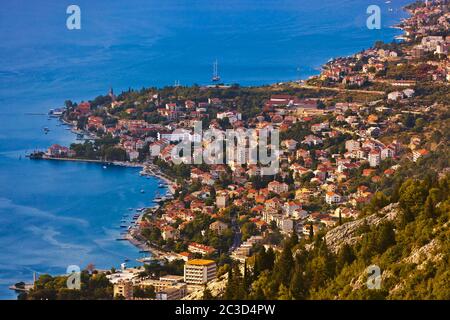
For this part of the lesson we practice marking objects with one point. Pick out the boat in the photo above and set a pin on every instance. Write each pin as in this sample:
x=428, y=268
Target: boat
x=161, y=185
x=215, y=77
x=142, y=191
x=104, y=167
x=130, y=209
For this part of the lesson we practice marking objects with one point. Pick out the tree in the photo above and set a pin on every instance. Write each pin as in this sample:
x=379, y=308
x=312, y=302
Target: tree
x=294, y=239
x=115, y=154
x=207, y=295
x=345, y=256
x=430, y=203
x=283, y=293
x=283, y=266
x=412, y=195
x=386, y=237
x=311, y=232
x=298, y=286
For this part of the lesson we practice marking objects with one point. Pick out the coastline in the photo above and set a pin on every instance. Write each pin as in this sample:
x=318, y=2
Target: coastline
x=133, y=234
x=148, y=169
x=155, y=172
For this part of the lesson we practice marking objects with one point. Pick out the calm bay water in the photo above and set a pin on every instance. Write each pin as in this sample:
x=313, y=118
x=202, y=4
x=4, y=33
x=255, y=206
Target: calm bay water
x=54, y=214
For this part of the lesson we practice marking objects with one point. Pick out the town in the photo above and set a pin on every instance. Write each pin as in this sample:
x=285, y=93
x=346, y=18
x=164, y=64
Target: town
x=346, y=135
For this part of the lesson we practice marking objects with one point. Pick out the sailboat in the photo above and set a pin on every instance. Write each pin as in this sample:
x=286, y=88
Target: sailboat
x=215, y=76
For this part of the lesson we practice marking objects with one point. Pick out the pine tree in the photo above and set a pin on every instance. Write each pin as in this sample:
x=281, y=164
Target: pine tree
x=283, y=266
x=294, y=239
x=345, y=256
x=385, y=237
x=298, y=286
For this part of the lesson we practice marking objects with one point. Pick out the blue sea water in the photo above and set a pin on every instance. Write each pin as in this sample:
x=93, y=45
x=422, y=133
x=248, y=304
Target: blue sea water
x=54, y=214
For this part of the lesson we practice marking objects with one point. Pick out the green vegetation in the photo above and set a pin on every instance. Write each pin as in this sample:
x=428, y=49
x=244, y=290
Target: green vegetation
x=309, y=270
x=94, y=286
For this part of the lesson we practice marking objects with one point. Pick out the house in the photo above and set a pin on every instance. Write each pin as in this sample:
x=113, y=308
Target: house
x=278, y=187
x=290, y=144
x=409, y=93
x=58, y=151
x=168, y=232
x=332, y=198
x=312, y=140
x=133, y=155
x=273, y=204
x=291, y=206
x=352, y=145
x=374, y=158
x=298, y=170
x=218, y=226
x=83, y=108
x=394, y=96
x=387, y=153
x=417, y=154
x=156, y=147
x=286, y=225
x=200, y=248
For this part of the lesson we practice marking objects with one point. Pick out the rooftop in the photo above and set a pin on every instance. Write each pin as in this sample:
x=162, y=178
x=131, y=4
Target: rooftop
x=200, y=262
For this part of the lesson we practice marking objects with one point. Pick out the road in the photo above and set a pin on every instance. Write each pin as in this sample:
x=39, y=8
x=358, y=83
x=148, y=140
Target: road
x=305, y=86
x=237, y=235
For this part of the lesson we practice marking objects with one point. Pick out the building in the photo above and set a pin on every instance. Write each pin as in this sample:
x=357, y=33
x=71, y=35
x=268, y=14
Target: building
x=218, y=226
x=169, y=287
x=221, y=200
x=200, y=248
x=374, y=158
x=58, y=151
x=417, y=154
x=123, y=289
x=278, y=187
x=352, y=145
x=199, y=271
x=168, y=232
x=332, y=198
x=175, y=292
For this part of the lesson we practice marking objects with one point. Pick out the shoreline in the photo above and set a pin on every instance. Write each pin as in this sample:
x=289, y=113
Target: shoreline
x=132, y=237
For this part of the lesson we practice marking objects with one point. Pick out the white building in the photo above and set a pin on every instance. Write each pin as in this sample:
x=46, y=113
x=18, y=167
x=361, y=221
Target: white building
x=374, y=158
x=199, y=271
x=332, y=198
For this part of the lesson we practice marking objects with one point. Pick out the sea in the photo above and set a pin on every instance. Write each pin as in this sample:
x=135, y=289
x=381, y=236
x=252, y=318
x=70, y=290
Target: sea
x=56, y=214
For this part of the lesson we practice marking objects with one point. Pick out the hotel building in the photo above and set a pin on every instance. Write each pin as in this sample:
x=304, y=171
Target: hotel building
x=199, y=271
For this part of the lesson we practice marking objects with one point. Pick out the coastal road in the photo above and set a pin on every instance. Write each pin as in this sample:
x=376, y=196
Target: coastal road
x=305, y=86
